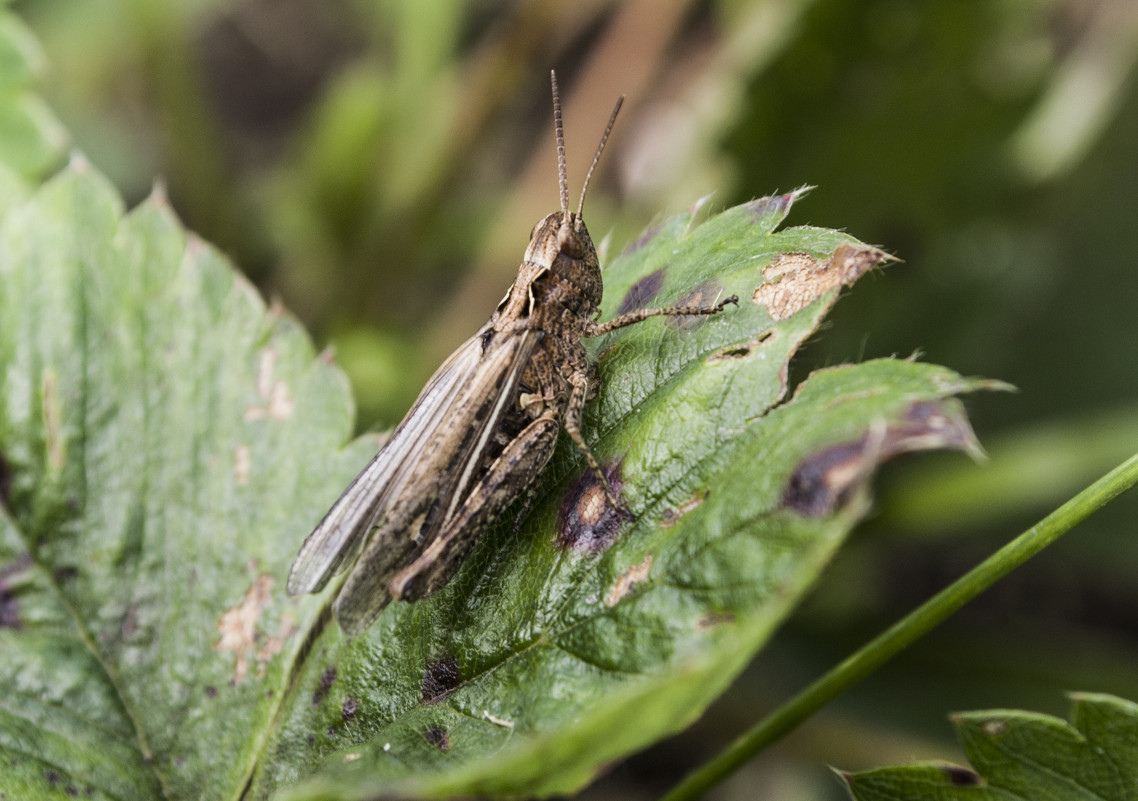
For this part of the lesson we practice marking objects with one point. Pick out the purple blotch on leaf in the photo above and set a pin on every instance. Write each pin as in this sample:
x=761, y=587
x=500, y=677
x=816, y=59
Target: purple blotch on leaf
x=441, y=679
x=326, y=680
x=961, y=777
x=348, y=710
x=642, y=240
x=642, y=292
x=438, y=737
x=9, y=605
x=587, y=520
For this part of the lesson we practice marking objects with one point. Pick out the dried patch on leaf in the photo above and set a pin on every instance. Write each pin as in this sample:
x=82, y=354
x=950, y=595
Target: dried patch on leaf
x=642, y=292
x=441, y=679
x=715, y=619
x=276, y=399
x=9, y=602
x=824, y=481
x=628, y=579
x=795, y=280
x=587, y=520
x=732, y=352
x=438, y=737
x=273, y=643
x=995, y=727
x=52, y=420
x=238, y=626
x=497, y=721
x=672, y=516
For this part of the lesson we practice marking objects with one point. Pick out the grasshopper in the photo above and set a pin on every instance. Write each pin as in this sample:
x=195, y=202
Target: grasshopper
x=481, y=431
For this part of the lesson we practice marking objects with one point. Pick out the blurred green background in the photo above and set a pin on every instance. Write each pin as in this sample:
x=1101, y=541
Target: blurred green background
x=377, y=166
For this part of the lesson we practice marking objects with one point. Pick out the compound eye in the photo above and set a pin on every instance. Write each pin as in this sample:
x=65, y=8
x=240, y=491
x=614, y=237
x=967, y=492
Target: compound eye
x=569, y=241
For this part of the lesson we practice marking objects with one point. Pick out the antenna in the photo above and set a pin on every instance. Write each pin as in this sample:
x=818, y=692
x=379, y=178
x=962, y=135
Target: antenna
x=562, y=173
x=597, y=155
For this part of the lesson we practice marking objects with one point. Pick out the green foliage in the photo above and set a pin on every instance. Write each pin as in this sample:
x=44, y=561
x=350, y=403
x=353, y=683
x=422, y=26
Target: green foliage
x=31, y=139
x=161, y=432
x=167, y=440
x=1025, y=756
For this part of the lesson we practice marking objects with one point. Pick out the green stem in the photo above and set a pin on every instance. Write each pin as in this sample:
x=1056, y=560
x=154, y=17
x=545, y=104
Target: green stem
x=906, y=631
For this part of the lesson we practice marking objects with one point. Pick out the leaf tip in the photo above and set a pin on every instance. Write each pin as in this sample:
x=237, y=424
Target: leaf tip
x=826, y=479
x=795, y=280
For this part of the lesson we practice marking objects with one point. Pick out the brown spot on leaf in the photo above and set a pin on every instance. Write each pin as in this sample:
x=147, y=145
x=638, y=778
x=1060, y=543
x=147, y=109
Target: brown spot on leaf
x=327, y=679
x=348, y=709
x=824, y=481
x=438, y=737
x=237, y=627
x=52, y=777
x=441, y=679
x=795, y=280
x=642, y=292
x=52, y=419
x=276, y=398
x=715, y=619
x=647, y=236
x=9, y=602
x=628, y=579
x=672, y=516
x=587, y=519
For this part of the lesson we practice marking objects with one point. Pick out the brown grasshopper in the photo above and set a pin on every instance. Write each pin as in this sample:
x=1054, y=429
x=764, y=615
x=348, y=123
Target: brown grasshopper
x=481, y=431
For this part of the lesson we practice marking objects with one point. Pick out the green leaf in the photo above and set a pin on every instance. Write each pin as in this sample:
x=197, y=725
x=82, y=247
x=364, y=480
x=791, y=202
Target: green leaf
x=31, y=139
x=1025, y=755
x=166, y=441
x=161, y=433
x=578, y=637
